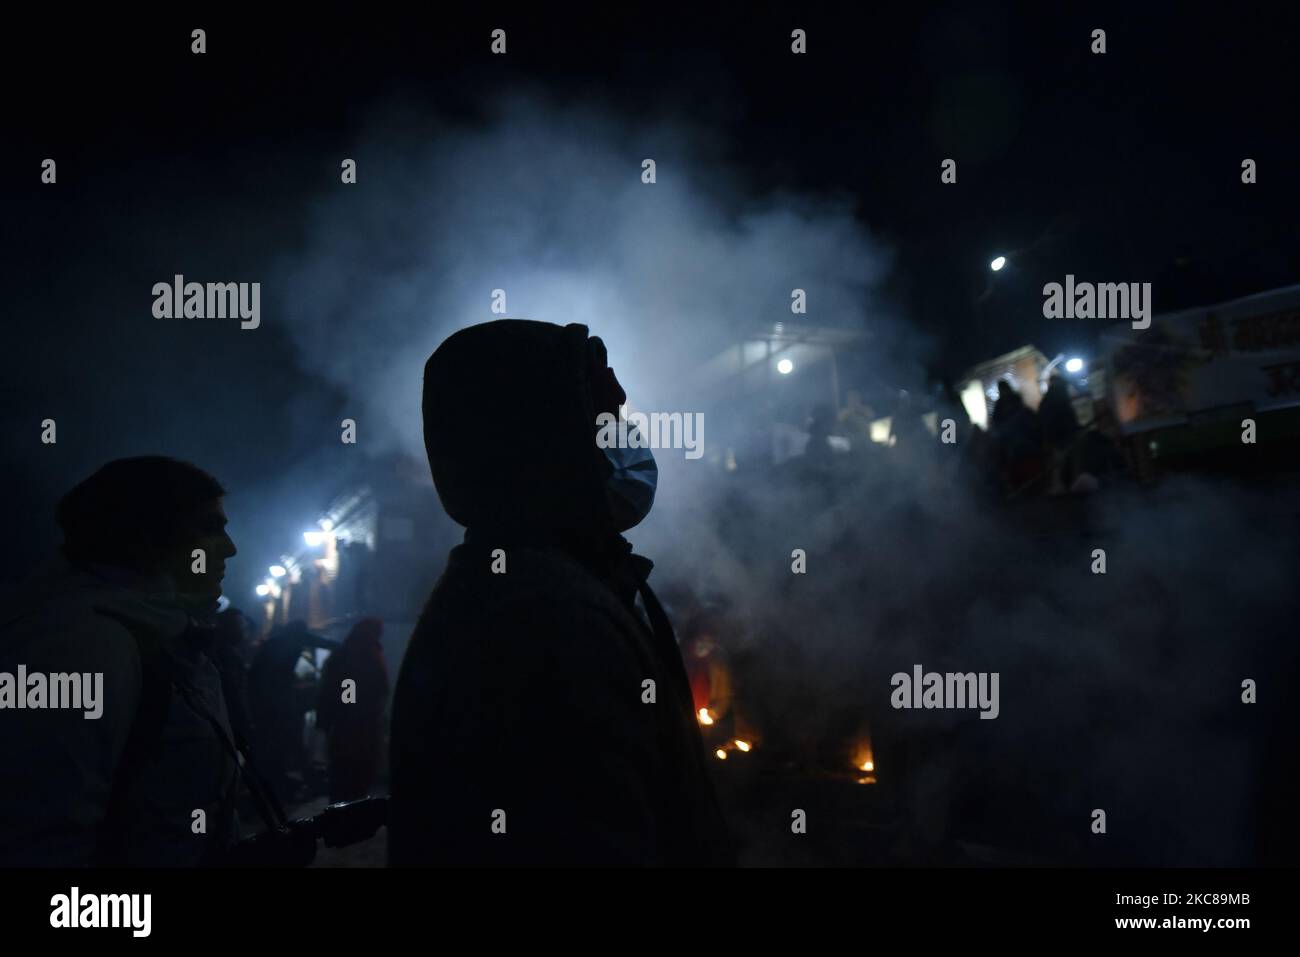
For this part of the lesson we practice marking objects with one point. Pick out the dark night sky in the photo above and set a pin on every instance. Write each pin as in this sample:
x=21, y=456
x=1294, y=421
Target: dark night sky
x=1122, y=167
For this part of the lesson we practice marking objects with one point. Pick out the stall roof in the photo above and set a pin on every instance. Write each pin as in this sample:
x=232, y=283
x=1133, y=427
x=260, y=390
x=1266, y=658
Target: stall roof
x=799, y=340
x=997, y=366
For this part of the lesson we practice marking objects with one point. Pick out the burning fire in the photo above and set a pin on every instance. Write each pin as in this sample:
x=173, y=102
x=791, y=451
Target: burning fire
x=864, y=760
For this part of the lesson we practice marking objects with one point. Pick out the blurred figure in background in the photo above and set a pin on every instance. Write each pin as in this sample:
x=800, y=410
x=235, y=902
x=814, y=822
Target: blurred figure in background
x=706, y=669
x=912, y=447
x=280, y=701
x=1060, y=427
x=352, y=717
x=1019, y=440
x=855, y=420
x=906, y=428
x=821, y=422
x=977, y=465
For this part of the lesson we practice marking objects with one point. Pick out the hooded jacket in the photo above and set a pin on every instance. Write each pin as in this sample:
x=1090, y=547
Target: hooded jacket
x=540, y=716
x=120, y=789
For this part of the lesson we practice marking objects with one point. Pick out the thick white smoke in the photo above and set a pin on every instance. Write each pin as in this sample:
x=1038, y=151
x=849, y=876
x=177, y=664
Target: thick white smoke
x=547, y=203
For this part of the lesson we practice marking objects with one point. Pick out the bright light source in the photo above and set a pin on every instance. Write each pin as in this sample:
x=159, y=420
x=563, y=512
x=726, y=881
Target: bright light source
x=1074, y=365
x=278, y=571
x=704, y=716
x=743, y=745
x=868, y=765
x=263, y=590
x=313, y=539
x=326, y=524
x=998, y=263
x=722, y=755
x=785, y=367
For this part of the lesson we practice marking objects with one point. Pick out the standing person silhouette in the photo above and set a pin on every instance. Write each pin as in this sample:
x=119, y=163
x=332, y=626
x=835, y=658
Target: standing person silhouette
x=129, y=599
x=541, y=716
x=352, y=716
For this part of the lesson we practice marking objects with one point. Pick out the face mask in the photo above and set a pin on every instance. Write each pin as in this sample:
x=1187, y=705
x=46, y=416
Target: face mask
x=630, y=490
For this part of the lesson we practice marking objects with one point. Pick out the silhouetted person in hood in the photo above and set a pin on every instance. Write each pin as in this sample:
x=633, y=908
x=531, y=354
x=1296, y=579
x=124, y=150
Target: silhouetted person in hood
x=1056, y=414
x=1008, y=405
x=1060, y=429
x=541, y=716
x=1019, y=438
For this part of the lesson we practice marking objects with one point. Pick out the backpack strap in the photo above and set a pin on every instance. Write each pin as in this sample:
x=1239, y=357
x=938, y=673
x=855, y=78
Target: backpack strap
x=141, y=743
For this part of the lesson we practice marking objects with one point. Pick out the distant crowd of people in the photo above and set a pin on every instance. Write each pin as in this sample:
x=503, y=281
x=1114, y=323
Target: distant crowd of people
x=1023, y=452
